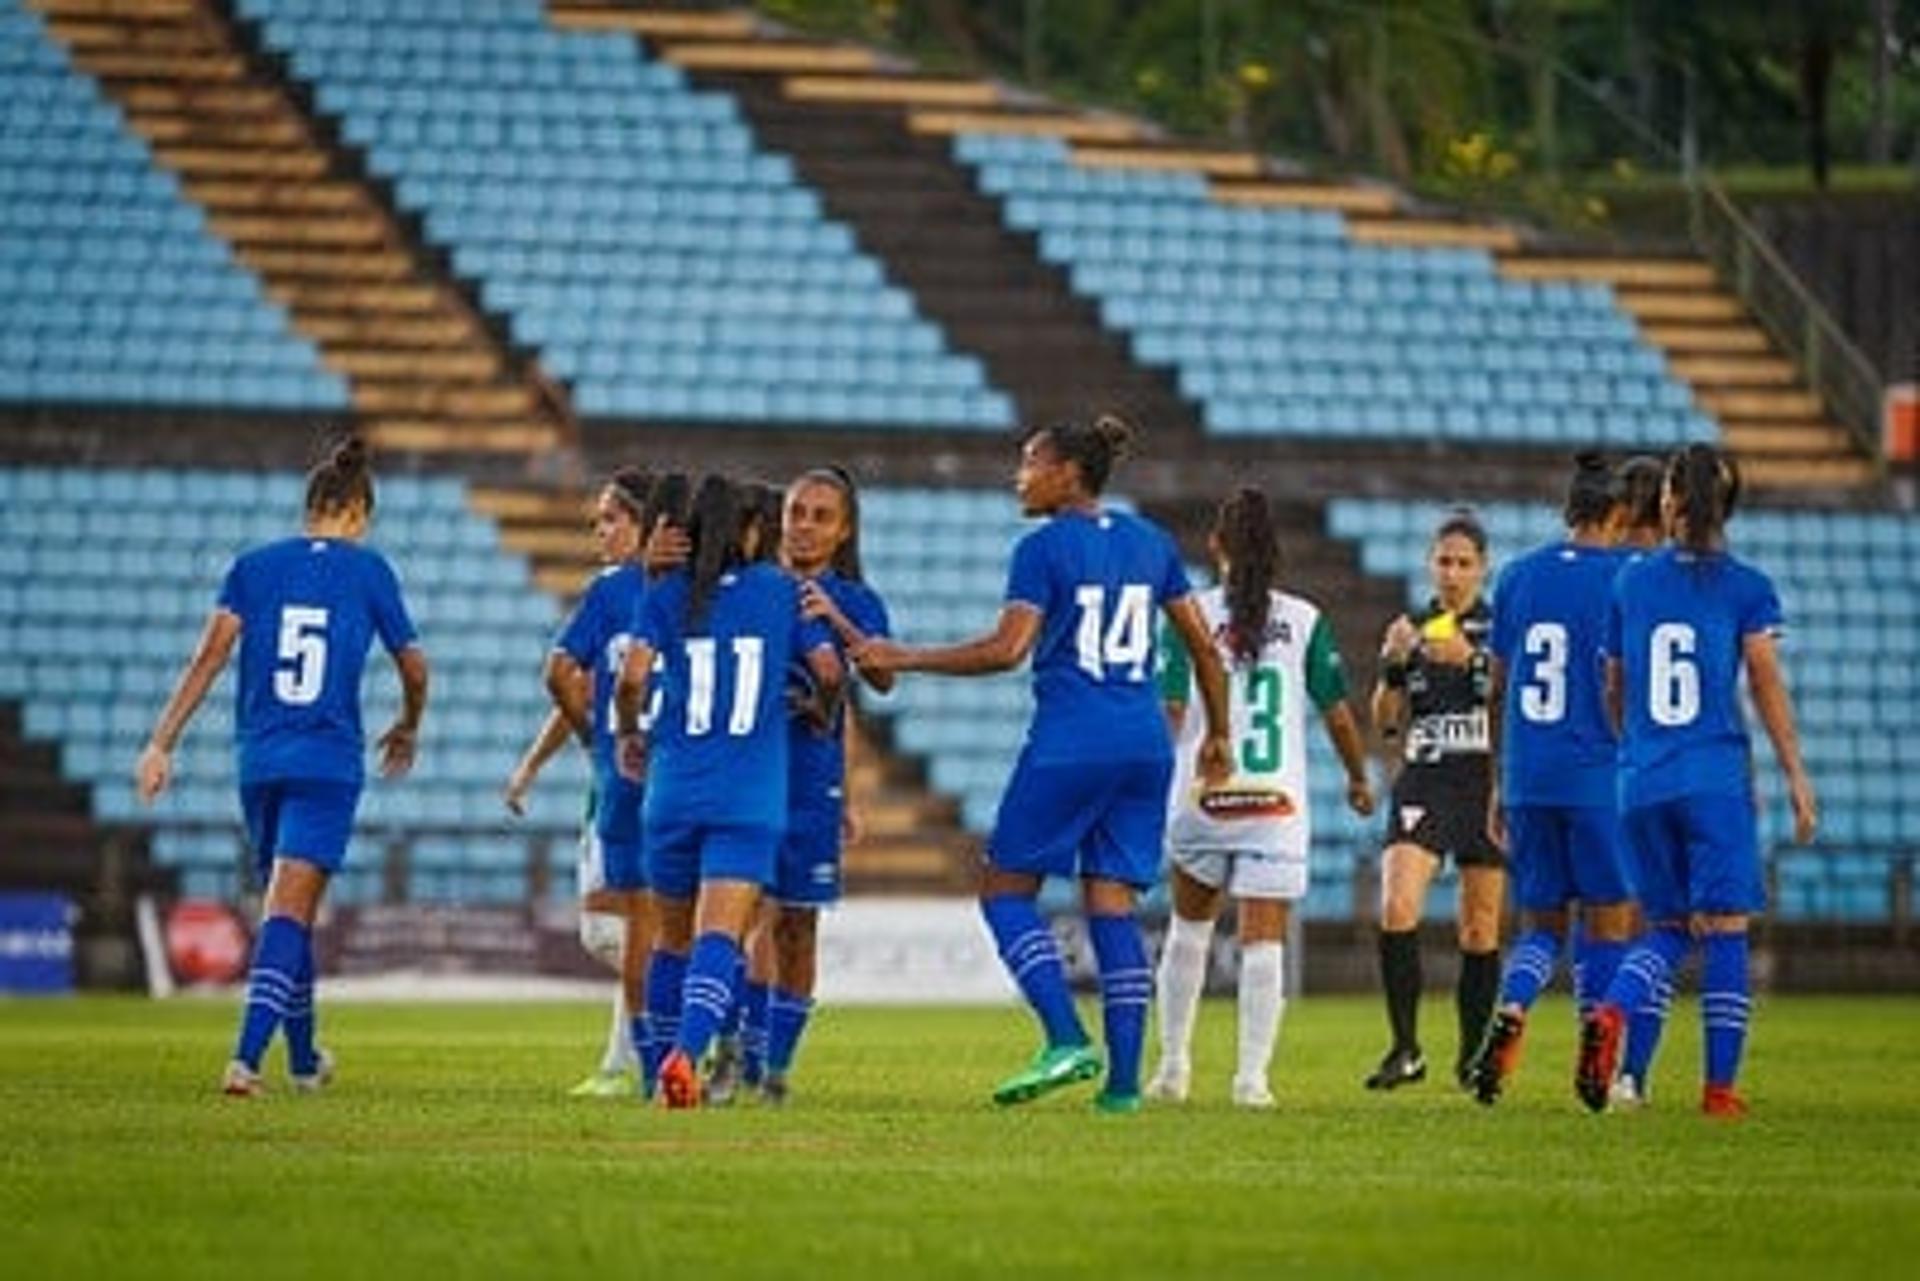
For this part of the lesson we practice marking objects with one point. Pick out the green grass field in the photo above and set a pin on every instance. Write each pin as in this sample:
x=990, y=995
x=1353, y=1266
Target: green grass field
x=447, y=1149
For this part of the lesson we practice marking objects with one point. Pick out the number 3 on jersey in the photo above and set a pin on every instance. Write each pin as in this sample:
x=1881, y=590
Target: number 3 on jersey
x=303, y=644
x=1543, y=700
x=1124, y=640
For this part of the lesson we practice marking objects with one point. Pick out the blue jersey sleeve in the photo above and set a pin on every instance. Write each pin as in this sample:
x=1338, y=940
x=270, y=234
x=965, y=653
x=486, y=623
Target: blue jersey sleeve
x=1173, y=584
x=233, y=593
x=390, y=618
x=867, y=612
x=1028, y=582
x=579, y=639
x=1760, y=610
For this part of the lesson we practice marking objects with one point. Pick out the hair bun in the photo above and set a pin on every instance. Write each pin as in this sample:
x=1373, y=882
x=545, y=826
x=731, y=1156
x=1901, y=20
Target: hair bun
x=350, y=455
x=1590, y=460
x=1117, y=432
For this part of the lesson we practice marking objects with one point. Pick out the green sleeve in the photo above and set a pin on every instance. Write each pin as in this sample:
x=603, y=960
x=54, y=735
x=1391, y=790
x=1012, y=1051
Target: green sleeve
x=1176, y=666
x=1326, y=677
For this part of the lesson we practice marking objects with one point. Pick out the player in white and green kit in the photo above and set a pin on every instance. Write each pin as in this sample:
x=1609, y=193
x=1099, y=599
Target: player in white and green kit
x=1248, y=838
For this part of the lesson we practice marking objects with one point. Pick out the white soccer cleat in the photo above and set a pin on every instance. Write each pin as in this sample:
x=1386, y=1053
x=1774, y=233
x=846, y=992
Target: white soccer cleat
x=1170, y=1083
x=319, y=1078
x=1628, y=1095
x=241, y=1082
x=1251, y=1094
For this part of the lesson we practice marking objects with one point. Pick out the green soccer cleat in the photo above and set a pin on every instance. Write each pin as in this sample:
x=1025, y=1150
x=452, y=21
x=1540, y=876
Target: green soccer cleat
x=603, y=1085
x=1051, y=1068
x=1116, y=1104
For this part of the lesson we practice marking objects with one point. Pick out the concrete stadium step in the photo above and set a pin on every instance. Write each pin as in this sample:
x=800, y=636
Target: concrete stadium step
x=436, y=396
x=469, y=365
x=660, y=24
x=384, y=266
x=1773, y=405
x=1629, y=273
x=431, y=435
x=303, y=230
x=221, y=131
x=1068, y=127
x=1745, y=339
x=1661, y=305
x=194, y=160
x=1843, y=477
x=771, y=57
x=1347, y=198
x=381, y=298
x=1803, y=439
x=1170, y=159
x=239, y=195
x=1428, y=234
x=1734, y=371
x=397, y=332
x=892, y=91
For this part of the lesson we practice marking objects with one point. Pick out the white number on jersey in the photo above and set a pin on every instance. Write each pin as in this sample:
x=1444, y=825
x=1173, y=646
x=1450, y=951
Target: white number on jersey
x=616, y=660
x=1124, y=640
x=1543, y=700
x=303, y=643
x=1673, y=693
x=749, y=658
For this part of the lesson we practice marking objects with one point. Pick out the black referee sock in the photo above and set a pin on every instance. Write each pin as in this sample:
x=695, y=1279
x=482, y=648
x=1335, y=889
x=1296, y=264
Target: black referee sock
x=1475, y=996
x=1400, y=979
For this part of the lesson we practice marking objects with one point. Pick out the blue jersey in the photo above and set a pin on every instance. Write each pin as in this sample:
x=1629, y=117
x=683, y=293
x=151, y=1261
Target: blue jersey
x=1097, y=580
x=1549, y=627
x=719, y=741
x=817, y=758
x=309, y=609
x=1677, y=626
x=597, y=637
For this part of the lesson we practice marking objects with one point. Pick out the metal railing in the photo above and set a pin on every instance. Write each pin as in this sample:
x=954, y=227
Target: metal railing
x=1839, y=374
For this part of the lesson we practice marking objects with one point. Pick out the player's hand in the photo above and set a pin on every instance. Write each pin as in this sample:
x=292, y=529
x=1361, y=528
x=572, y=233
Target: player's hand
x=630, y=757
x=878, y=656
x=667, y=547
x=852, y=826
x=1360, y=797
x=1216, y=759
x=152, y=773
x=1806, y=808
x=397, y=749
x=1400, y=640
x=1453, y=651
x=514, y=795
x=810, y=706
x=816, y=603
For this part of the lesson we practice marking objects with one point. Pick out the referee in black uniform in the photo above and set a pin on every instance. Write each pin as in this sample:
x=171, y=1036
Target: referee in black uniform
x=1431, y=701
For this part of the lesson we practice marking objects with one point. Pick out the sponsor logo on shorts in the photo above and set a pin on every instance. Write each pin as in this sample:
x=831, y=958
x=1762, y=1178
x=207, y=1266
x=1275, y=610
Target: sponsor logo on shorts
x=1247, y=803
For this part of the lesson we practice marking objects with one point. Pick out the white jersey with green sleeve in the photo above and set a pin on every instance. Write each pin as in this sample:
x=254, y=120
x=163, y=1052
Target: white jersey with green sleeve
x=1263, y=808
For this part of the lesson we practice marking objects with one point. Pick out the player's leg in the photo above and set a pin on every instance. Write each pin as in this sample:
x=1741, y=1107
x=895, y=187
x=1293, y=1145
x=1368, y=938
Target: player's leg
x=1043, y=816
x=1264, y=890
x=603, y=936
x=673, y=870
x=1406, y=871
x=1656, y=847
x=790, y=1002
x=761, y=965
x=735, y=865
x=1542, y=885
x=1725, y=889
x=1196, y=881
x=1597, y=860
x=1119, y=857
x=1483, y=892
x=1646, y=1024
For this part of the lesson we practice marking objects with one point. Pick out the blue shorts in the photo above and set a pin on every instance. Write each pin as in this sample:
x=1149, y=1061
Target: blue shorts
x=1563, y=853
x=1105, y=819
x=681, y=855
x=616, y=823
x=808, y=872
x=1696, y=854
x=299, y=818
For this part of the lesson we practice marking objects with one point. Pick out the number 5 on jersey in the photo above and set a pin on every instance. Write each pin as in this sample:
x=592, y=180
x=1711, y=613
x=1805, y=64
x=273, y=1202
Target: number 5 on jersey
x=303, y=644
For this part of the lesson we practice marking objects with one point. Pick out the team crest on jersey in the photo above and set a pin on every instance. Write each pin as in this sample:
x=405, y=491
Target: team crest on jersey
x=1247, y=803
x=1410, y=816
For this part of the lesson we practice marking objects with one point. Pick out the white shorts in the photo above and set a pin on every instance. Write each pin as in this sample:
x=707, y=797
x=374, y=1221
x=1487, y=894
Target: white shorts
x=590, y=871
x=1267, y=874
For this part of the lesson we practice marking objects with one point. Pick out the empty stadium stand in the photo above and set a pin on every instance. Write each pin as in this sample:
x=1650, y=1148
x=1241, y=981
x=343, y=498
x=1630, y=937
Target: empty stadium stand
x=1850, y=583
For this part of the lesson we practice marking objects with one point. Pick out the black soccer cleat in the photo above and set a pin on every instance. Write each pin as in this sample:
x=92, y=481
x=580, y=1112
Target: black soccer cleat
x=1499, y=1055
x=1400, y=1067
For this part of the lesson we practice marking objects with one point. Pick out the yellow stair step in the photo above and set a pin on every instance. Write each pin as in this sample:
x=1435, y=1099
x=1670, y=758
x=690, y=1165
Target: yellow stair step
x=1799, y=440
x=233, y=162
x=1779, y=405
x=377, y=266
x=568, y=545
x=1422, y=234
x=1629, y=273
x=468, y=365
x=771, y=56
x=454, y=401
x=231, y=100
x=219, y=130
x=453, y=436
x=115, y=8
x=241, y=194
x=333, y=230
x=1341, y=198
x=896, y=91
x=134, y=65
x=1663, y=305
x=1801, y=474
x=106, y=33
x=361, y=297
x=663, y=24
x=1219, y=164
x=529, y=504
x=1734, y=371
x=1063, y=125
x=1723, y=339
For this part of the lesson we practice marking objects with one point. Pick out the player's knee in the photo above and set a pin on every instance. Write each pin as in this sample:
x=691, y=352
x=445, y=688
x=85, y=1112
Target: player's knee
x=603, y=935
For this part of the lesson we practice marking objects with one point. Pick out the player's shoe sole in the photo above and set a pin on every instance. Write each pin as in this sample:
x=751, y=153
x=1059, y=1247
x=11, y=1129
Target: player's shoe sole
x=1601, y=1033
x=1720, y=1101
x=679, y=1085
x=1400, y=1067
x=1170, y=1084
x=1052, y=1068
x=318, y=1079
x=1499, y=1056
x=241, y=1082
x=603, y=1085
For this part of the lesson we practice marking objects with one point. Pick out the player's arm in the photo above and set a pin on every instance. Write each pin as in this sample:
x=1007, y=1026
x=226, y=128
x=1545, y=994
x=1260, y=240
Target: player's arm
x=1327, y=687
x=817, y=603
x=629, y=696
x=155, y=767
x=571, y=689
x=1389, y=702
x=553, y=735
x=400, y=742
x=1210, y=675
x=1000, y=650
x=1774, y=704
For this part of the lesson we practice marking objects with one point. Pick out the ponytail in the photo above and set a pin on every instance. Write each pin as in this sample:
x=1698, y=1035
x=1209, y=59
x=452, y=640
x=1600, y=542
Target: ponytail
x=1590, y=494
x=714, y=528
x=1636, y=488
x=1245, y=533
x=343, y=479
x=1706, y=485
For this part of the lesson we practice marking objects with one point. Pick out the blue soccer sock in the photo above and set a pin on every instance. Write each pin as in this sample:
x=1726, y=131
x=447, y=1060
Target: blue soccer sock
x=709, y=990
x=786, y=1022
x=1648, y=965
x=753, y=1033
x=1595, y=963
x=1028, y=950
x=1725, y=1006
x=1126, y=990
x=303, y=1059
x=1645, y=1023
x=272, y=986
x=736, y=1000
x=660, y=1026
x=1529, y=968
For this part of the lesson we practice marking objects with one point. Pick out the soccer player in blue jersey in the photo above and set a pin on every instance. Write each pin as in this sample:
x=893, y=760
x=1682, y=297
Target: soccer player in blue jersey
x=724, y=633
x=304, y=611
x=1685, y=621
x=581, y=673
x=1089, y=795
x=1553, y=804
